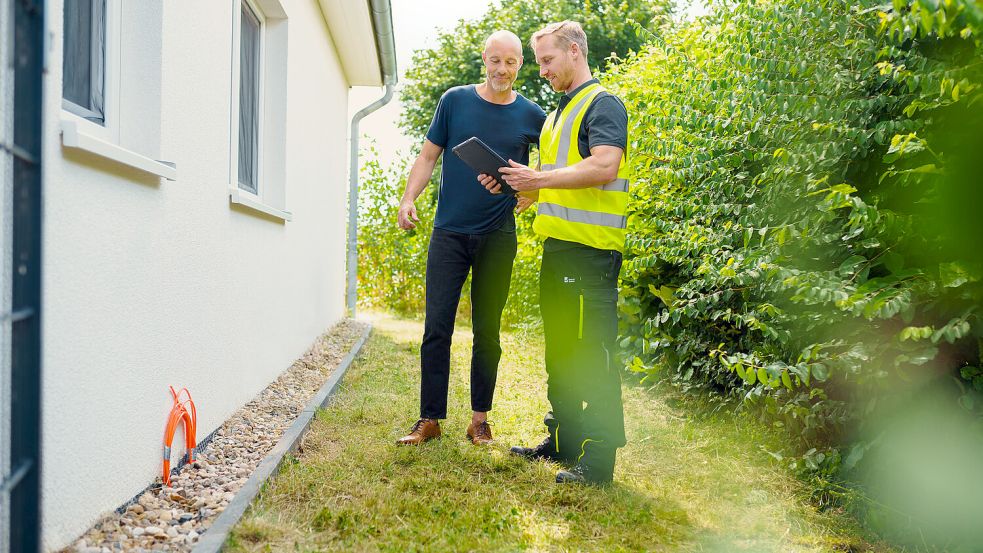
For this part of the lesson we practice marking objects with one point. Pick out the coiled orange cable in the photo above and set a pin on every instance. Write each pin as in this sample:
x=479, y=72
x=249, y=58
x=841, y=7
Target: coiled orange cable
x=180, y=413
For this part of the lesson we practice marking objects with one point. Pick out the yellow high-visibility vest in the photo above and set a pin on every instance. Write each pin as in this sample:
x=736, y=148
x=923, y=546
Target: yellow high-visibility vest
x=595, y=216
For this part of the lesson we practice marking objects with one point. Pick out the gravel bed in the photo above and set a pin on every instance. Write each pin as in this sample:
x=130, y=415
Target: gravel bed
x=172, y=518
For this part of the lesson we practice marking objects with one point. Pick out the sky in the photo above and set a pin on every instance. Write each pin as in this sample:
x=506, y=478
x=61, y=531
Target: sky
x=416, y=24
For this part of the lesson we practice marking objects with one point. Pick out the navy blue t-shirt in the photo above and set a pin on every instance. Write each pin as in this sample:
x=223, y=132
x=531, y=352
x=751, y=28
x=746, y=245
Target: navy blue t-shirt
x=463, y=205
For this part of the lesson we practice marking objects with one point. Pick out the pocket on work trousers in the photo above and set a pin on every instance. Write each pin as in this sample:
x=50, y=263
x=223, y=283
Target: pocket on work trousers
x=598, y=316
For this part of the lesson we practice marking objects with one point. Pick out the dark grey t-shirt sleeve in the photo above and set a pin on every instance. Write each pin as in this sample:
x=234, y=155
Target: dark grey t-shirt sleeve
x=438, y=126
x=605, y=124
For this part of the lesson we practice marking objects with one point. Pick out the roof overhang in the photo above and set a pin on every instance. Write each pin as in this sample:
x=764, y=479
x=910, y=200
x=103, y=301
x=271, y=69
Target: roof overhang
x=361, y=29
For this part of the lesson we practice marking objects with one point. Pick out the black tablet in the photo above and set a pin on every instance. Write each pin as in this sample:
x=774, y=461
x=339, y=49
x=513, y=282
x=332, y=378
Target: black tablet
x=482, y=159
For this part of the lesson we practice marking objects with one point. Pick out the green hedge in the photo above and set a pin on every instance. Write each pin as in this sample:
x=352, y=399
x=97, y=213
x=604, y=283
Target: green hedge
x=804, y=232
x=391, y=261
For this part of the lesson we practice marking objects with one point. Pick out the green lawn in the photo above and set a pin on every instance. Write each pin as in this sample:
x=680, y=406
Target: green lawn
x=683, y=483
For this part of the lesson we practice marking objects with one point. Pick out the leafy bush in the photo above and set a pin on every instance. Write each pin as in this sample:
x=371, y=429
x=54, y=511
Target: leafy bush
x=391, y=262
x=457, y=58
x=793, y=161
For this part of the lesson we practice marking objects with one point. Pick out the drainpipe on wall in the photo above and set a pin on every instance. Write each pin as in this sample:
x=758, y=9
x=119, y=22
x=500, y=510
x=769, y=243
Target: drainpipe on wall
x=386, y=45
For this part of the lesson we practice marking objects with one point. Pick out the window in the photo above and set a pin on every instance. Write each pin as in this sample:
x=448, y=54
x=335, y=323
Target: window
x=257, y=171
x=111, y=82
x=250, y=48
x=84, y=63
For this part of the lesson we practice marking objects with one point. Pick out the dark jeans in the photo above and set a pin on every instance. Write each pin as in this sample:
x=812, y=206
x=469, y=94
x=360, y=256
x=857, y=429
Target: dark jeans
x=451, y=256
x=579, y=301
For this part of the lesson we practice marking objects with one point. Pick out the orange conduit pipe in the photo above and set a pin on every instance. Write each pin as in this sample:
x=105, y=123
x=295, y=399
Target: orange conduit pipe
x=180, y=413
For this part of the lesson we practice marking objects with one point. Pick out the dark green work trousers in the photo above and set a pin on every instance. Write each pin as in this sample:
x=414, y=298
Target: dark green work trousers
x=579, y=302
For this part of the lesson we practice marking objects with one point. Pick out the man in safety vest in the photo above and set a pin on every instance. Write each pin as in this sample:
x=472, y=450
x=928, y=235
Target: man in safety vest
x=582, y=188
x=473, y=232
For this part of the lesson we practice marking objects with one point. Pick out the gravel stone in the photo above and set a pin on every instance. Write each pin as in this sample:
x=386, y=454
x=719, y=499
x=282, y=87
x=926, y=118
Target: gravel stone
x=171, y=518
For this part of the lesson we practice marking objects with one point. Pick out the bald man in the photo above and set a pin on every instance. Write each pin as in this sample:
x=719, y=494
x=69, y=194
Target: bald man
x=473, y=232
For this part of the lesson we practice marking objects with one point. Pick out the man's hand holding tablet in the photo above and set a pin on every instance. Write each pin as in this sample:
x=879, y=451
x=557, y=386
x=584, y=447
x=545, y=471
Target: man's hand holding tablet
x=484, y=160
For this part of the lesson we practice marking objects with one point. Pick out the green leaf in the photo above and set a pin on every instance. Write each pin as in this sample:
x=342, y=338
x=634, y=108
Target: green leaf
x=970, y=372
x=786, y=380
x=763, y=376
x=819, y=372
x=923, y=356
x=850, y=265
x=903, y=145
x=915, y=333
x=927, y=20
x=854, y=457
x=954, y=275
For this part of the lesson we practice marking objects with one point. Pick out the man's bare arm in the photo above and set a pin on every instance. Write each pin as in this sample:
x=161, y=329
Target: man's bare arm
x=420, y=175
x=600, y=168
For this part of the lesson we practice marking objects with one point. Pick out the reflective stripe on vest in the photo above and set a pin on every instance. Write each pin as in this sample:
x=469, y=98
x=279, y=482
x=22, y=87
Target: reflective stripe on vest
x=594, y=216
x=583, y=216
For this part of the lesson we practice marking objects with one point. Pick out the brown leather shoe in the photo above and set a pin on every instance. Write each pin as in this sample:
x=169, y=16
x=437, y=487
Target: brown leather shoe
x=423, y=430
x=480, y=434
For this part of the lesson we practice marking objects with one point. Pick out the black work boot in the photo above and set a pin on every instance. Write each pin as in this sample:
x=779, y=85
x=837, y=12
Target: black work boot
x=548, y=449
x=545, y=450
x=594, y=467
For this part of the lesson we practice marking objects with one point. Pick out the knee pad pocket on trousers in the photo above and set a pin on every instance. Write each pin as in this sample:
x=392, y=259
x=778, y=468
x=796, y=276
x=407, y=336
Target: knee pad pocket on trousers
x=600, y=315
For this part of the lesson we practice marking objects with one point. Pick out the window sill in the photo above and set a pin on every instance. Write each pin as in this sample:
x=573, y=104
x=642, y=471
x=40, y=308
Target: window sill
x=247, y=200
x=73, y=137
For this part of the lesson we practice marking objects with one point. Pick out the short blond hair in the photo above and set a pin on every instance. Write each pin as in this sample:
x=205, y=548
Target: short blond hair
x=566, y=33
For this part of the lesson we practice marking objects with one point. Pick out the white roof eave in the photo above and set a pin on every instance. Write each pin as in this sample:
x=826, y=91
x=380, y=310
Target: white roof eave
x=350, y=25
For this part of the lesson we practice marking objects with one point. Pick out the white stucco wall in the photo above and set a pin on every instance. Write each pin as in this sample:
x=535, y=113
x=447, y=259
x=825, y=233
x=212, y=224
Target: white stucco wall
x=150, y=283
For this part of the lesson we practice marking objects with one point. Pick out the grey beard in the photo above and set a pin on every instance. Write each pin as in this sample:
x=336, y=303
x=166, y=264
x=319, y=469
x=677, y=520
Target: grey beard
x=500, y=88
